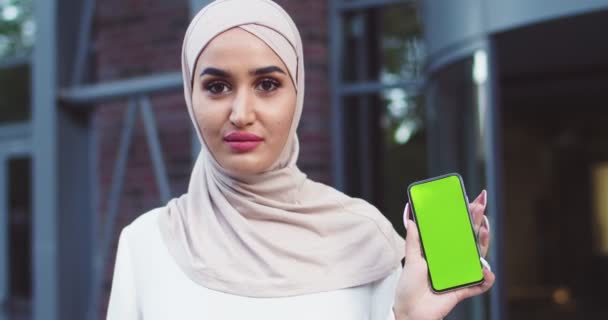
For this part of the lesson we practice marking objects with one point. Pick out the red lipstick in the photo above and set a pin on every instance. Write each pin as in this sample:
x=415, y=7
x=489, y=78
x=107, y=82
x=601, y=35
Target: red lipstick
x=242, y=141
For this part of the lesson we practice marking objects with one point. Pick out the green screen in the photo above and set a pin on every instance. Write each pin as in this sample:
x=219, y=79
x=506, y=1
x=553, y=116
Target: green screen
x=448, y=241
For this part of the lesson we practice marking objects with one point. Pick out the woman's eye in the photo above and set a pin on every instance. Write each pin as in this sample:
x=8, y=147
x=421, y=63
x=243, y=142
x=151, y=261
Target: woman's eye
x=217, y=87
x=268, y=85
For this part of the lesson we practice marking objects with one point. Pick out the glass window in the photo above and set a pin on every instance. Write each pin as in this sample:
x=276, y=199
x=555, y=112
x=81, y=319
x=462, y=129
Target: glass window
x=386, y=146
x=457, y=102
x=16, y=28
x=15, y=93
x=20, y=238
x=16, y=40
x=384, y=130
x=456, y=110
x=383, y=44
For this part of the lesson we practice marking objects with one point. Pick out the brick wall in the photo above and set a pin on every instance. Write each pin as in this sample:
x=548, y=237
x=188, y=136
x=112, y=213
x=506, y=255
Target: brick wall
x=137, y=38
x=143, y=37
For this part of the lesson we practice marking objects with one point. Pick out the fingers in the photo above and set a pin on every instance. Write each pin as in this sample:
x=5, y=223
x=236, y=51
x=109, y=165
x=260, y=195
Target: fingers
x=487, y=283
x=485, y=264
x=412, y=240
x=480, y=222
x=406, y=215
x=477, y=208
x=485, y=218
x=489, y=278
x=484, y=236
x=484, y=242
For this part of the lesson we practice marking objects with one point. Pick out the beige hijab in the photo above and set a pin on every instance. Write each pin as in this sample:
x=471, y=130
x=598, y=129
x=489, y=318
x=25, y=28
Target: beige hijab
x=277, y=233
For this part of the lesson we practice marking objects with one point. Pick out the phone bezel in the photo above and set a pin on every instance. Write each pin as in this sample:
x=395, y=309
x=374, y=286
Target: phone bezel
x=466, y=199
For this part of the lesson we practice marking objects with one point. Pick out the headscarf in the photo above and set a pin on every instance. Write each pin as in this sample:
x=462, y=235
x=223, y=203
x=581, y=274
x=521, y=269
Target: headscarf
x=276, y=233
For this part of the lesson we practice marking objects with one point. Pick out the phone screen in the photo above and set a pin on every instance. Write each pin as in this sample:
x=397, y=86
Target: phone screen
x=441, y=212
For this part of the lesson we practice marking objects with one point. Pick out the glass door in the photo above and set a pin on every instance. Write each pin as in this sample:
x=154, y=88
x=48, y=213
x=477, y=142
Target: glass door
x=16, y=40
x=15, y=225
x=462, y=114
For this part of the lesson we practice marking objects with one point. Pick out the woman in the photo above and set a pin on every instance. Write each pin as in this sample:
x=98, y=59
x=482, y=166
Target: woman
x=253, y=237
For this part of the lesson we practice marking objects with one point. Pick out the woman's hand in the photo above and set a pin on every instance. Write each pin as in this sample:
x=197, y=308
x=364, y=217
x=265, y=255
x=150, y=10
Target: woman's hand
x=415, y=300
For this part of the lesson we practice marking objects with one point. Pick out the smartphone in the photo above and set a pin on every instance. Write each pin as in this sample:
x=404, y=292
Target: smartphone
x=441, y=211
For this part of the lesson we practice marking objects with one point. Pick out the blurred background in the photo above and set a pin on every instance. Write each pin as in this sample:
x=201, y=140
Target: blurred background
x=511, y=94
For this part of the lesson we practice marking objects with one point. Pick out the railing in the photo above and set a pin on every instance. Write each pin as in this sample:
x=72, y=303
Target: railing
x=136, y=92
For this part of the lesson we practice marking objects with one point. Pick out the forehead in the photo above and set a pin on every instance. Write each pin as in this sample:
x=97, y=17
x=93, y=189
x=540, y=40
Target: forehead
x=237, y=48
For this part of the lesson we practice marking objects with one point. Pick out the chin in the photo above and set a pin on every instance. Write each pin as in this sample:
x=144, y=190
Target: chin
x=244, y=164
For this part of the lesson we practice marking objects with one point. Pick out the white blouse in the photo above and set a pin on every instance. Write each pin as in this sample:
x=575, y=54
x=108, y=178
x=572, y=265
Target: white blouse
x=149, y=285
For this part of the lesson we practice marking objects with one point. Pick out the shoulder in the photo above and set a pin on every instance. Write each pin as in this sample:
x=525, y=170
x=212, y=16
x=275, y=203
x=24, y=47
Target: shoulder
x=142, y=235
x=145, y=224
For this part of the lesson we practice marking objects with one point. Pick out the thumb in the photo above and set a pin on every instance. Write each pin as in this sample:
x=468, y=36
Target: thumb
x=412, y=241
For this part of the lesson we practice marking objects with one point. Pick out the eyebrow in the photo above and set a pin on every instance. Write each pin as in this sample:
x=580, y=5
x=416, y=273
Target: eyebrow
x=215, y=72
x=266, y=70
x=256, y=72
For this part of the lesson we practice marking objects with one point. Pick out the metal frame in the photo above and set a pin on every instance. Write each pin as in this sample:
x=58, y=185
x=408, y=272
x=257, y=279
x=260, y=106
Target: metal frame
x=4, y=250
x=364, y=113
x=137, y=91
x=162, y=179
x=340, y=90
x=14, y=61
x=62, y=46
x=64, y=124
x=367, y=87
x=14, y=142
x=455, y=53
x=491, y=147
x=493, y=154
x=44, y=217
x=118, y=176
x=490, y=142
x=82, y=50
x=119, y=89
x=367, y=4
x=107, y=233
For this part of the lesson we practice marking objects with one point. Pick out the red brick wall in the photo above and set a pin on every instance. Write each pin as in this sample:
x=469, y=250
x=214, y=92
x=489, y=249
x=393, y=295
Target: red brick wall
x=311, y=18
x=136, y=38
x=143, y=37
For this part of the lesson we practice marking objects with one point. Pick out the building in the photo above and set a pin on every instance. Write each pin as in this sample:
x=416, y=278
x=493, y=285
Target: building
x=93, y=132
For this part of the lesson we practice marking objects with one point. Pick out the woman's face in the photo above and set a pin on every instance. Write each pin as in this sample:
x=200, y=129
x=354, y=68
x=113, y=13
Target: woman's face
x=244, y=101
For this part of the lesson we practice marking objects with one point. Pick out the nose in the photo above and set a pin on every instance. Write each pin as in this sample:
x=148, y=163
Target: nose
x=243, y=113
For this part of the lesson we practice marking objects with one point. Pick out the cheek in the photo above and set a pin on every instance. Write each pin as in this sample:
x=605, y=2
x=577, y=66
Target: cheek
x=284, y=125
x=282, y=120
x=210, y=126
x=210, y=123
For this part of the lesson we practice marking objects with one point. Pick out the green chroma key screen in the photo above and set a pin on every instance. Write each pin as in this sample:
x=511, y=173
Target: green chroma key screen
x=441, y=212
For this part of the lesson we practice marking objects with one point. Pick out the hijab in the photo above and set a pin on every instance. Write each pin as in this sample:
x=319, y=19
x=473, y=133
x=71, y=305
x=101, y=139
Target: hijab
x=276, y=233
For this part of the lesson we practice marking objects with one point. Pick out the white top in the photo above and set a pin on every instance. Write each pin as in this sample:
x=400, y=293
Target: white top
x=149, y=285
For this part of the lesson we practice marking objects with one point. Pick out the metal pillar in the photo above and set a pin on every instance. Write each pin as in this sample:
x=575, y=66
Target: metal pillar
x=45, y=282
x=4, y=241
x=160, y=171
x=493, y=154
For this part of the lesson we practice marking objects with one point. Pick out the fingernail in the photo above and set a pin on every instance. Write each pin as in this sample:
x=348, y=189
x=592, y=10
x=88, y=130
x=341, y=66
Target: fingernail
x=484, y=197
x=406, y=214
x=485, y=264
x=487, y=222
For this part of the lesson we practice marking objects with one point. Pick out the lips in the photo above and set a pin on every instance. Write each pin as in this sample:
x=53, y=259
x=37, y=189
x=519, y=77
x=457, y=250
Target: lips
x=242, y=141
